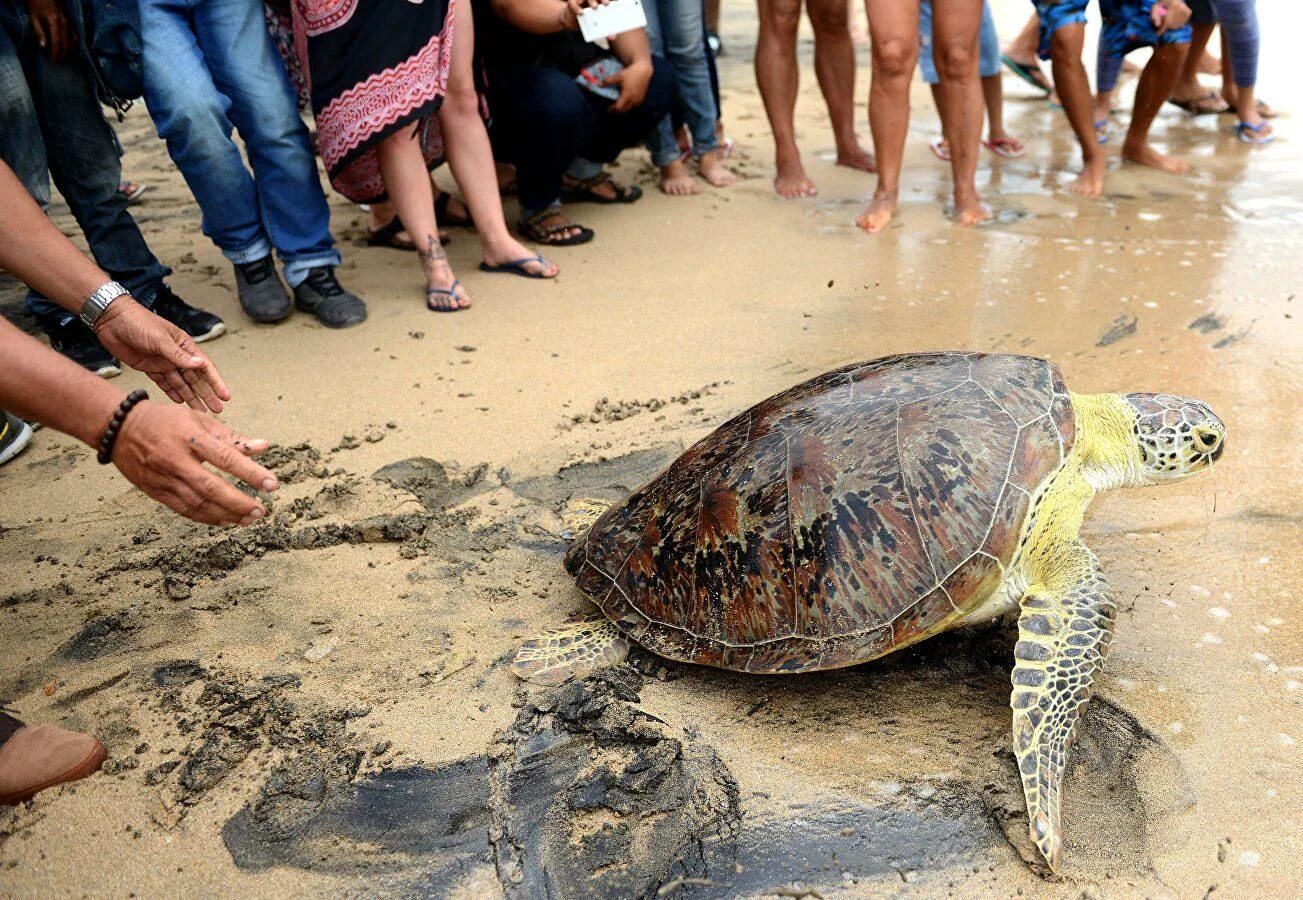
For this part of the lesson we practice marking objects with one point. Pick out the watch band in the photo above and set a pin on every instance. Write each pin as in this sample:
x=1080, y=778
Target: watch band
x=99, y=301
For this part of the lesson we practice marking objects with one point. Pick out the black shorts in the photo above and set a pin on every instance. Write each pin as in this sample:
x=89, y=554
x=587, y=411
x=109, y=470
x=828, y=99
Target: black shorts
x=1202, y=11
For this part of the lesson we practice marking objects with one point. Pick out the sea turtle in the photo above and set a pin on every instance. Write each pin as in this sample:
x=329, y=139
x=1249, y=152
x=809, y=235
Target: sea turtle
x=873, y=507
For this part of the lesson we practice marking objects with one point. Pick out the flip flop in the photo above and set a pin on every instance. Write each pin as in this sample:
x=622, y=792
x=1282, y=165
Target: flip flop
x=1103, y=130
x=445, y=292
x=1030, y=74
x=939, y=149
x=1210, y=104
x=1252, y=134
x=441, y=213
x=533, y=229
x=131, y=191
x=517, y=267
x=387, y=236
x=582, y=191
x=1006, y=147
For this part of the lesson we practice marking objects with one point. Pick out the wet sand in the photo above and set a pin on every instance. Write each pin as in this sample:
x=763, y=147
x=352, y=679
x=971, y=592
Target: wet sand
x=322, y=704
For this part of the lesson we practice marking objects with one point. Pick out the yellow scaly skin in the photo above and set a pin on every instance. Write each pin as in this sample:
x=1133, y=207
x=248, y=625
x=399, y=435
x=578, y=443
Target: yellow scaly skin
x=1067, y=611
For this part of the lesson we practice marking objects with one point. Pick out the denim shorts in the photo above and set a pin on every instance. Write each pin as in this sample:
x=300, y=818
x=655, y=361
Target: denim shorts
x=1127, y=27
x=989, y=42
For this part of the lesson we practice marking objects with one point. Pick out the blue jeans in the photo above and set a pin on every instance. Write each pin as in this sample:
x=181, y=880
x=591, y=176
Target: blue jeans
x=51, y=124
x=677, y=32
x=211, y=66
x=543, y=120
x=989, y=44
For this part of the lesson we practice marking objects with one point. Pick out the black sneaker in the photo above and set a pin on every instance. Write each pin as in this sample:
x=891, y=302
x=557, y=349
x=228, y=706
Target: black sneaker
x=200, y=325
x=14, y=435
x=79, y=344
x=262, y=295
x=323, y=295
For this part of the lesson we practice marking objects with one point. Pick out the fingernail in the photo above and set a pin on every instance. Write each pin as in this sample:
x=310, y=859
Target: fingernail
x=196, y=361
x=269, y=484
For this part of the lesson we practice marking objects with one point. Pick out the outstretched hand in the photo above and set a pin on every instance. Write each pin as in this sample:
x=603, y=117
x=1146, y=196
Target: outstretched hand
x=162, y=451
x=165, y=353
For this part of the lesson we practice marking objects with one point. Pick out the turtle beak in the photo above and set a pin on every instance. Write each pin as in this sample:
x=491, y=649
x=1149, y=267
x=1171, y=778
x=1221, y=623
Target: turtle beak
x=1221, y=448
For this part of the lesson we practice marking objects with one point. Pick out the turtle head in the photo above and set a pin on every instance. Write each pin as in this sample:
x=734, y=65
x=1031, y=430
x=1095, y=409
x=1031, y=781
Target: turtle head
x=1174, y=437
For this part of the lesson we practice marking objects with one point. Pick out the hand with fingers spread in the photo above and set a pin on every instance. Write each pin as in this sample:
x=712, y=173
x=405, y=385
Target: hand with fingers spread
x=169, y=356
x=162, y=450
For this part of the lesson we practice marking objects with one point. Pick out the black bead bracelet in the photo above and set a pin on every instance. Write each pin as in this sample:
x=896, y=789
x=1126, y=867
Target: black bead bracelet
x=105, y=456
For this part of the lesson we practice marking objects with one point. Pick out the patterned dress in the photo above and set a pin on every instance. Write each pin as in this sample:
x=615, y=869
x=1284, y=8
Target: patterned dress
x=373, y=68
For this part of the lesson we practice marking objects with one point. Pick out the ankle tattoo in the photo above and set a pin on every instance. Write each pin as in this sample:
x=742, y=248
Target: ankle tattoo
x=433, y=251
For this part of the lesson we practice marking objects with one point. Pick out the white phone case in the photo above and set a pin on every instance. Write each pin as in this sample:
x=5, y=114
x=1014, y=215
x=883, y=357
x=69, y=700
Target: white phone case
x=614, y=18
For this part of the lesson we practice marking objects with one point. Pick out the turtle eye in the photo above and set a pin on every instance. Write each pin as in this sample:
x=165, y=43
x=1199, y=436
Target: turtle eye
x=1206, y=439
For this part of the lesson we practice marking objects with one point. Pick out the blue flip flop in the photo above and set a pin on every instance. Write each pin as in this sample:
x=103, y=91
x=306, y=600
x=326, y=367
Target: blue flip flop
x=1103, y=130
x=517, y=267
x=1252, y=134
x=446, y=292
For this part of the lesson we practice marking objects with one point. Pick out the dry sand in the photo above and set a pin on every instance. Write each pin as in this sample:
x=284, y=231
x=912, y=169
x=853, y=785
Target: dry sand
x=360, y=638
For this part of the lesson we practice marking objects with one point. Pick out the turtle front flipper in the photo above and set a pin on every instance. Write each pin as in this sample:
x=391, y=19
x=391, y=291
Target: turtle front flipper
x=571, y=651
x=1064, y=632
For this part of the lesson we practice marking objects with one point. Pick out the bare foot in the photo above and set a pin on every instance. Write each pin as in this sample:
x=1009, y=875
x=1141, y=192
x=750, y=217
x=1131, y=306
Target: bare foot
x=712, y=168
x=877, y=215
x=1146, y=155
x=676, y=181
x=1090, y=183
x=971, y=211
x=792, y=182
x=857, y=158
x=443, y=292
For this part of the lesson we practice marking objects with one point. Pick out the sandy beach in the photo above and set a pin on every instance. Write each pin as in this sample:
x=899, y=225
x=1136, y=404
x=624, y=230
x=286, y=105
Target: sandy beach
x=321, y=705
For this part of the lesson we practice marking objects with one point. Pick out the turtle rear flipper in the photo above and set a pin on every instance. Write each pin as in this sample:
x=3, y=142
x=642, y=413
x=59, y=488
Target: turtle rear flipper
x=571, y=651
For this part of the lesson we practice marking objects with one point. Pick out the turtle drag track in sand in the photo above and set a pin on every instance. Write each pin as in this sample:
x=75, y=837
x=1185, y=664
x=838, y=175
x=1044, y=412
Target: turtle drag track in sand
x=611, y=786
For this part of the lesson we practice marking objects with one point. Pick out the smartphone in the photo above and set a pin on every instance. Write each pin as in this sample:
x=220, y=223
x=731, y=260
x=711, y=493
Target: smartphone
x=611, y=19
x=591, y=78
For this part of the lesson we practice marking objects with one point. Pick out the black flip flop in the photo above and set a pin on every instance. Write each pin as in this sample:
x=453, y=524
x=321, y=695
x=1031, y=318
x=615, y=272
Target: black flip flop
x=517, y=267
x=441, y=213
x=582, y=191
x=387, y=236
x=533, y=229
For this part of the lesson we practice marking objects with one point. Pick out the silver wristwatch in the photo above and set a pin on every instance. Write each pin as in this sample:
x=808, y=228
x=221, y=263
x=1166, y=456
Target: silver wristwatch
x=99, y=301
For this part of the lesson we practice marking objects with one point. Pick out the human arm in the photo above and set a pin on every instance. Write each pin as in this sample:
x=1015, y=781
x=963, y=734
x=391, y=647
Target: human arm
x=634, y=50
x=543, y=16
x=161, y=449
x=37, y=253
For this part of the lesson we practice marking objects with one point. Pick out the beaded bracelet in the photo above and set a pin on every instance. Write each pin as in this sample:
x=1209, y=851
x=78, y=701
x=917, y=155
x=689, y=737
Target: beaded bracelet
x=105, y=456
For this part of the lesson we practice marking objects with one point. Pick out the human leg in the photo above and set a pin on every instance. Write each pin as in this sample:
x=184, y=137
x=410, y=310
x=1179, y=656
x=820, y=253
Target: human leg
x=1062, y=34
x=893, y=26
x=956, y=27
x=471, y=158
x=247, y=69
x=834, y=66
x=1156, y=82
x=777, y=76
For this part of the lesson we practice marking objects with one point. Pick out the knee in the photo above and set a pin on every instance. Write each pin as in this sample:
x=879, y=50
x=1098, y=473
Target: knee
x=549, y=101
x=461, y=101
x=781, y=19
x=1066, y=41
x=192, y=122
x=830, y=18
x=894, y=57
x=956, y=63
